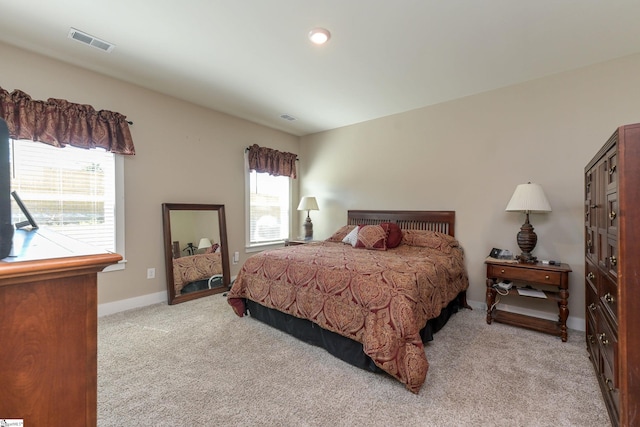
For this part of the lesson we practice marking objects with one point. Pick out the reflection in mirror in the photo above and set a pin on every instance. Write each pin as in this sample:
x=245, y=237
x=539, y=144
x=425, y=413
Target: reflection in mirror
x=196, y=250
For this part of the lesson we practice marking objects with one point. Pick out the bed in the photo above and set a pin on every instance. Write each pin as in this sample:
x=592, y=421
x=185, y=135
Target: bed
x=367, y=302
x=194, y=268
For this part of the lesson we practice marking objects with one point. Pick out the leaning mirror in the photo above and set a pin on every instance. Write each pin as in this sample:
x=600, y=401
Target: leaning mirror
x=196, y=250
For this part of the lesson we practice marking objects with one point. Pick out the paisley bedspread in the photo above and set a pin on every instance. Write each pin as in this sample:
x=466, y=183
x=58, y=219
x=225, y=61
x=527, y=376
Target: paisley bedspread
x=381, y=299
x=189, y=269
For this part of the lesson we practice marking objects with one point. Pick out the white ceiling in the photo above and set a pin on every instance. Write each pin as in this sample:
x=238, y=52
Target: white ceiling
x=252, y=58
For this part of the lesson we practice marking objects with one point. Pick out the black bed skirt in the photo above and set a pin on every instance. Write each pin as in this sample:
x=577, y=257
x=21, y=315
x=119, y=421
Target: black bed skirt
x=341, y=347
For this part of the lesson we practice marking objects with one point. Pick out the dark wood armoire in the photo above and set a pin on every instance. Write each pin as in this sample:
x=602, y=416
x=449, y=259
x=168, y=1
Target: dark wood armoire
x=612, y=272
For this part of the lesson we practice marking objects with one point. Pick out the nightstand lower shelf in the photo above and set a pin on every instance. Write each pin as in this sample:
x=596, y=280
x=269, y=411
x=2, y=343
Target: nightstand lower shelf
x=523, y=321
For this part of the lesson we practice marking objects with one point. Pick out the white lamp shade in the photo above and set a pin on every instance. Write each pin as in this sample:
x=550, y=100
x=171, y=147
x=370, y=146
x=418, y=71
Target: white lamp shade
x=528, y=198
x=308, y=203
x=204, y=243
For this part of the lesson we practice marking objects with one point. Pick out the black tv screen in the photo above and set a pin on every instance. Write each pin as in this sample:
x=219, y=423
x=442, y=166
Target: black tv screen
x=6, y=228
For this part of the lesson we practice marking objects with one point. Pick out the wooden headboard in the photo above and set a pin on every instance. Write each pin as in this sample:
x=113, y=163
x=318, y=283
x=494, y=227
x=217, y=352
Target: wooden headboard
x=441, y=221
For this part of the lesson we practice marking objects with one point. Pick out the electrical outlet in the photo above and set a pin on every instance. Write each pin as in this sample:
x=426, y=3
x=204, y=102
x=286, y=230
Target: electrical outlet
x=151, y=273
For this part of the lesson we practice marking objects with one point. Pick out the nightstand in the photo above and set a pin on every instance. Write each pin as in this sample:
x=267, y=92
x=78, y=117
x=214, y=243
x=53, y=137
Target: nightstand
x=550, y=280
x=297, y=242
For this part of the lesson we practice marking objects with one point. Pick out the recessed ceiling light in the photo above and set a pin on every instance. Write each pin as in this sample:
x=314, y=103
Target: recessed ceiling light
x=319, y=35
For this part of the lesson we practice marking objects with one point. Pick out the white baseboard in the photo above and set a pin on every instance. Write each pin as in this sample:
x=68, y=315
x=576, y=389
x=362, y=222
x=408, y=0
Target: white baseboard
x=127, y=304
x=575, y=323
x=136, y=302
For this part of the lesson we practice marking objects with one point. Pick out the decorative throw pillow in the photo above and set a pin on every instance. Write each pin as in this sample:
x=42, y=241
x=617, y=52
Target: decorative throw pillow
x=342, y=232
x=430, y=239
x=213, y=249
x=372, y=237
x=394, y=234
x=352, y=237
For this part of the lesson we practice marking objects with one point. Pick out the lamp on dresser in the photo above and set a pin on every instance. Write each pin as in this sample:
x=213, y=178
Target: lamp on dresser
x=308, y=203
x=528, y=198
x=204, y=243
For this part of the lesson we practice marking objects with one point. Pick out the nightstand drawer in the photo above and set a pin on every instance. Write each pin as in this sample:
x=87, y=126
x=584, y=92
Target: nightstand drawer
x=526, y=275
x=297, y=242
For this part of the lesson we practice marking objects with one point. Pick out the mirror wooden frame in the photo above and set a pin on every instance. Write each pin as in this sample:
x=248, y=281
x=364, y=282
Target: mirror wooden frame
x=167, y=208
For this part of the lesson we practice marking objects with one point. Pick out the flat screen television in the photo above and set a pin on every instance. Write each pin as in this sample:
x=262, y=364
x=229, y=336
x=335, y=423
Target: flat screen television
x=6, y=228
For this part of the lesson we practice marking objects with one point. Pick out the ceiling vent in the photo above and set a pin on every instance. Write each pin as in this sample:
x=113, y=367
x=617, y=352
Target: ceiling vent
x=287, y=117
x=90, y=40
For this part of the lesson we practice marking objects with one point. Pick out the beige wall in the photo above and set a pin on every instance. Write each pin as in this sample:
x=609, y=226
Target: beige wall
x=468, y=155
x=185, y=154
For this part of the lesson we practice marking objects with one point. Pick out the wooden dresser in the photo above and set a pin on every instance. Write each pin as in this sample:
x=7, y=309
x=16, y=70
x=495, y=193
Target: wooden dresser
x=48, y=330
x=612, y=267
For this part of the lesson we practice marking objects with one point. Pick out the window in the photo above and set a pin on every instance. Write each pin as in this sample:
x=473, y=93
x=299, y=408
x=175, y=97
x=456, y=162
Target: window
x=70, y=190
x=269, y=201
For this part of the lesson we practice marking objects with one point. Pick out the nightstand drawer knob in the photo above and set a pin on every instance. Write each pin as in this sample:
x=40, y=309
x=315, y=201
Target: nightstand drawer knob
x=608, y=298
x=591, y=276
x=590, y=338
x=612, y=215
x=546, y=277
x=592, y=307
x=502, y=271
x=603, y=338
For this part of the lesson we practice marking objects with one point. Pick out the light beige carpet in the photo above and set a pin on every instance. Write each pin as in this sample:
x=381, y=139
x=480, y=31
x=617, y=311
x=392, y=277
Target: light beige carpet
x=197, y=364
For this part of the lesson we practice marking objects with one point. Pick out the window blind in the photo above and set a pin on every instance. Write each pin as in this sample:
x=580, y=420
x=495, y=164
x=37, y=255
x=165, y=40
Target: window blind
x=269, y=202
x=70, y=190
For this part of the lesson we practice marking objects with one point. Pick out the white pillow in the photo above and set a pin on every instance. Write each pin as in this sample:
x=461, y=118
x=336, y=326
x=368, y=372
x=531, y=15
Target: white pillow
x=352, y=237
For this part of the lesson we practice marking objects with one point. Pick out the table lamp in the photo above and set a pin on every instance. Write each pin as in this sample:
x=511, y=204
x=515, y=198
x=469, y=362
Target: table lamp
x=204, y=243
x=528, y=198
x=308, y=203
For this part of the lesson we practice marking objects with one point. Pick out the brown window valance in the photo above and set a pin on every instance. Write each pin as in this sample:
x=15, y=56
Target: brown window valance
x=273, y=162
x=59, y=122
